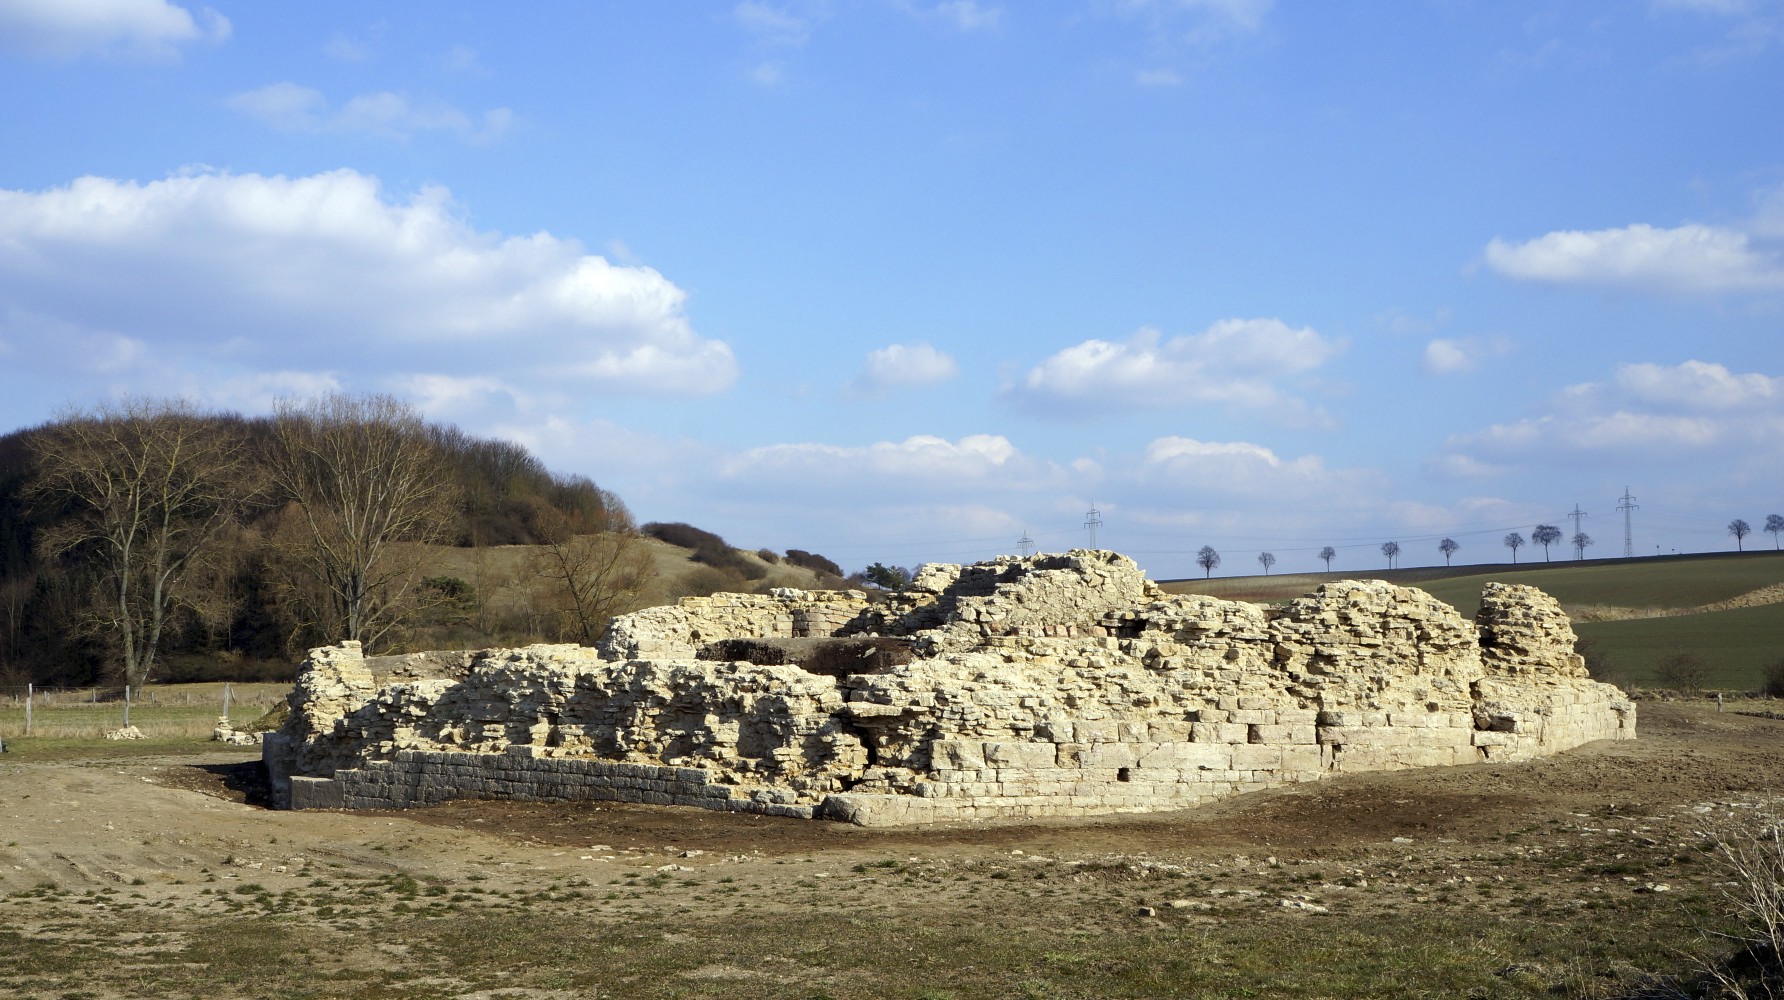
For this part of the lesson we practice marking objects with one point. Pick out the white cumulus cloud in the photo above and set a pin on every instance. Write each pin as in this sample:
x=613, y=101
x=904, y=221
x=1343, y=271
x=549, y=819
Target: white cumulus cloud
x=881, y=500
x=1235, y=363
x=326, y=273
x=904, y=366
x=292, y=107
x=922, y=457
x=1699, y=385
x=1446, y=357
x=1244, y=469
x=922, y=469
x=65, y=29
x=1686, y=259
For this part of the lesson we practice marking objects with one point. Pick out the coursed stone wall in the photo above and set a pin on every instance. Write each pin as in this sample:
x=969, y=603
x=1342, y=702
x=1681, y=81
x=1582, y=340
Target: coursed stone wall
x=1055, y=685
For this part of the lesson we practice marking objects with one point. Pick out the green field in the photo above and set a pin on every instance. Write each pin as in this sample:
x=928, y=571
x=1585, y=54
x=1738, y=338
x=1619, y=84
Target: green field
x=1737, y=644
x=166, y=714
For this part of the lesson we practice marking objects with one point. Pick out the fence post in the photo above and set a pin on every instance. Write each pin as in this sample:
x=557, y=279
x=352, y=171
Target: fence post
x=29, y=690
x=225, y=701
x=126, y=704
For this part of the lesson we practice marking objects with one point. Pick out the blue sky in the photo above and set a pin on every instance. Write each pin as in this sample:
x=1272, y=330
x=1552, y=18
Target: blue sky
x=901, y=280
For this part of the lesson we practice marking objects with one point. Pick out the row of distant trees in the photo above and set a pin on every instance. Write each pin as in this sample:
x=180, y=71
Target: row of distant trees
x=1774, y=523
x=139, y=526
x=1209, y=559
x=1544, y=535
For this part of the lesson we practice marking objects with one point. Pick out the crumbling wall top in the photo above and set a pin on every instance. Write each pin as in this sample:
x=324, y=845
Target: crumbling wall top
x=1523, y=631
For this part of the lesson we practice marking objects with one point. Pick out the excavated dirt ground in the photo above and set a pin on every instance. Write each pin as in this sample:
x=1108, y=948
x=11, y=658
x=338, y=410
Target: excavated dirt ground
x=115, y=864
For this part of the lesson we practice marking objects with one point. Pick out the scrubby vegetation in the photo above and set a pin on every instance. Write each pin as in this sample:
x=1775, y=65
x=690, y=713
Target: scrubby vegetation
x=709, y=549
x=1684, y=672
x=814, y=562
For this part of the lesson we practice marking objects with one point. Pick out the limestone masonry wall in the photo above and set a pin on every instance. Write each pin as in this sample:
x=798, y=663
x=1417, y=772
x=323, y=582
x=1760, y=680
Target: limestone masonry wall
x=1055, y=685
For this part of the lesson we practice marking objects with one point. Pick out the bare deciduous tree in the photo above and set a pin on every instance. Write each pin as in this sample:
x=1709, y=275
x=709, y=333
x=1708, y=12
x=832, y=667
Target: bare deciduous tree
x=143, y=488
x=1448, y=547
x=1392, y=551
x=1581, y=541
x=597, y=565
x=1774, y=523
x=1328, y=554
x=1740, y=530
x=1514, y=542
x=1545, y=535
x=364, y=474
x=1267, y=560
x=1207, y=558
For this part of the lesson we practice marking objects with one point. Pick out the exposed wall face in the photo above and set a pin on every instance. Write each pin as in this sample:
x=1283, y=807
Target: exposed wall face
x=1057, y=685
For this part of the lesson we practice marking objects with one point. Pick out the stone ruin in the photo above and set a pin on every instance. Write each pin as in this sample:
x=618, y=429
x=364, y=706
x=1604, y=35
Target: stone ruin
x=1057, y=685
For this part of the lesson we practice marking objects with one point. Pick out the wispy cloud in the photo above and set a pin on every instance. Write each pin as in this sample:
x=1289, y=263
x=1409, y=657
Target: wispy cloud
x=790, y=23
x=1454, y=355
x=292, y=107
x=1689, y=413
x=1198, y=22
x=346, y=48
x=960, y=15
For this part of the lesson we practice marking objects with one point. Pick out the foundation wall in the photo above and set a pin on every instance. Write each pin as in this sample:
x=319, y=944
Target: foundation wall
x=1056, y=686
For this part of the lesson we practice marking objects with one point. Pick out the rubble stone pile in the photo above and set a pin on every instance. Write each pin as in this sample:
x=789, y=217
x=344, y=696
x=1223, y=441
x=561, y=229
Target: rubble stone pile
x=1056, y=685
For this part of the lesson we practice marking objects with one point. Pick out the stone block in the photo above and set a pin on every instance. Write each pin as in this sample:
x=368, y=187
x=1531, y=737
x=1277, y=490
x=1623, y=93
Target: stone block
x=1254, y=757
x=1111, y=756
x=1020, y=755
x=1101, y=731
x=957, y=755
x=1190, y=757
x=1307, y=758
x=1168, y=732
x=1361, y=736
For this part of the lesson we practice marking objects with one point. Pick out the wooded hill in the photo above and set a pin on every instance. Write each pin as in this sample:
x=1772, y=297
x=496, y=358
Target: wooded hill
x=226, y=545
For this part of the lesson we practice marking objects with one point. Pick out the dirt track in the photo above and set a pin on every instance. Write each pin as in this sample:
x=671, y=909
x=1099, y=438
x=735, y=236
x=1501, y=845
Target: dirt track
x=105, y=820
x=178, y=834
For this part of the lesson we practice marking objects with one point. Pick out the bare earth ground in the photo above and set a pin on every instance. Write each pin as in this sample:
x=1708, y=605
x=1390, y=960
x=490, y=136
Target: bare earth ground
x=1573, y=876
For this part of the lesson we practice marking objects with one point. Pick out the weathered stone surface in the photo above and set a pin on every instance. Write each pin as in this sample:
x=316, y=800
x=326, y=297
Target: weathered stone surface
x=1052, y=686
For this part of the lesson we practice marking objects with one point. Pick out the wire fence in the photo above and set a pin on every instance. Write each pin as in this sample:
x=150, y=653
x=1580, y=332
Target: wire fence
x=172, y=711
